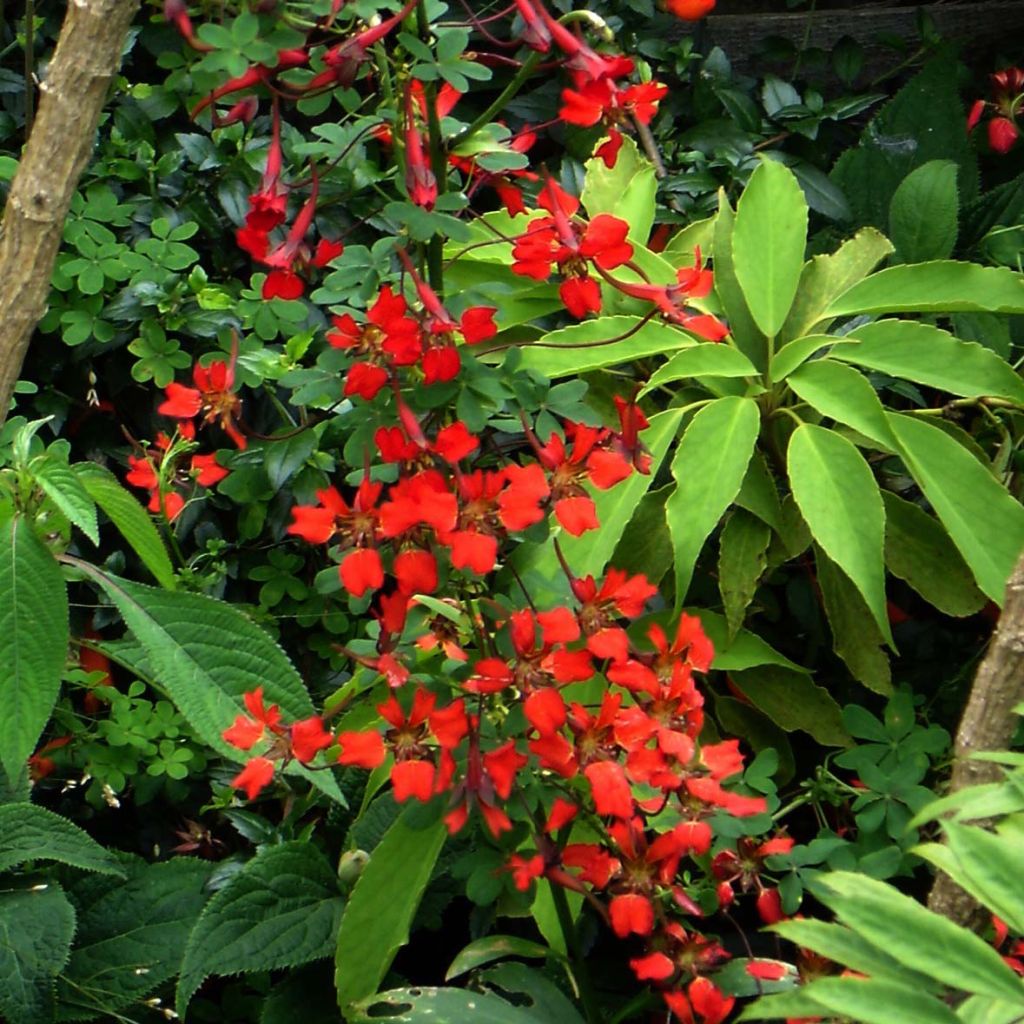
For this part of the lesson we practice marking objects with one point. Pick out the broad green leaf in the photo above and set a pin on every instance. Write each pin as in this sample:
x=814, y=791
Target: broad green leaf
x=768, y=243
x=988, y=865
x=745, y=650
x=16, y=789
x=796, y=353
x=530, y=990
x=29, y=832
x=284, y=457
x=205, y=655
x=281, y=910
x=839, y=500
x=983, y=520
x=855, y=634
x=919, y=551
x=983, y=1010
x=745, y=332
x=741, y=561
x=494, y=947
x=736, y=980
x=795, y=1003
x=924, y=212
x=875, y=1001
x=851, y=950
x=545, y=915
x=793, y=701
x=709, y=465
x=605, y=341
x=131, y=936
x=130, y=518
x=682, y=247
x=65, y=490
x=844, y=395
x=927, y=355
x=590, y=553
x=826, y=277
x=927, y=942
x=645, y=545
x=626, y=190
x=381, y=908
x=702, y=361
x=36, y=929
x=759, y=493
x=944, y=286
x=33, y=639
x=425, y=1005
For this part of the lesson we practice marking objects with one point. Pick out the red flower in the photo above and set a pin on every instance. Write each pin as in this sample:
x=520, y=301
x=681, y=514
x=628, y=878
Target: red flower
x=702, y=998
x=257, y=773
x=212, y=397
x=690, y=10
x=248, y=730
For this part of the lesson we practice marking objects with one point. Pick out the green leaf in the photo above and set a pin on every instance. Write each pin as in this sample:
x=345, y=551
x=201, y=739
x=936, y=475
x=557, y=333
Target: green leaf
x=130, y=518
x=65, y=490
x=205, y=654
x=131, y=936
x=768, y=243
x=793, y=1004
x=738, y=718
x=855, y=634
x=927, y=942
x=626, y=190
x=844, y=395
x=702, y=361
x=286, y=456
x=645, y=545
x=796, y=353
x=741, y=561
x=874, y=1001
x=927, y=355
x=745, y=332
x=982, y=1010
x=924, y=212
x=281, y=910
x=591, y=345
x=983, y=520
x=793, y=701
x=33, y=639
x=494, y=947
x=28, y=832
x=736, y=980
x=36, y=929
x=943, y=286
x=826, y=277
x=759, y=494
x=425, y=1005
x=839, y=500
x=709, y=465
x=381, y=908
x=919, y=551
x=745, y=650
x=532, y=992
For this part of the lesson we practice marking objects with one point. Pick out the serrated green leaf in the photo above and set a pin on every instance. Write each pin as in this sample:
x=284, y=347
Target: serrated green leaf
x=741, y=561
x=205, y=654
x=983, y=520
x=919, y=551
x=840, y=502
x=927, y=355
x=131, y=936
x=65, y=490
x=702, y=361
x=494, y=947
x=380, y=912
x=793, y=701
x=710, y=463
x=855, y=634
x=130, y=518
x=844, y=395
x=281, y=910
x=768, y=243
x=924, y=212
x=927, y=942
x=943, y=286
x=33, y=639
x=29, y=832
x=591, y=345
x=36, y=929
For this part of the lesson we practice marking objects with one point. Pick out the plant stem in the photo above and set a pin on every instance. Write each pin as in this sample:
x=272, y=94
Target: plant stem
x=579, y=967
x=501, y=102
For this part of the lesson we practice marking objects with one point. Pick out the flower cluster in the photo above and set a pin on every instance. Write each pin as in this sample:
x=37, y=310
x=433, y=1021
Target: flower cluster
x=1005, y=105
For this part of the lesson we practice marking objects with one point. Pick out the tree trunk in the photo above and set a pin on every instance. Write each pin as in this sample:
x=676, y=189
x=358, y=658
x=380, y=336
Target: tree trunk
x=72, y=96
x=988, y=723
